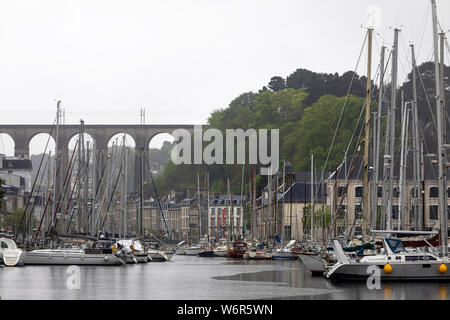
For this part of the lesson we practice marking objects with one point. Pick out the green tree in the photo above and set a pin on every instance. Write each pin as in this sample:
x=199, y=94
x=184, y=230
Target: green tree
x=321, y=216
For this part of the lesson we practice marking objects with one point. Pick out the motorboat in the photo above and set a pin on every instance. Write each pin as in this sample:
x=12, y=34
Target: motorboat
x=10, y=254
x=238, y=249
x=395, y=264
x=221, y=249
x=285, y=252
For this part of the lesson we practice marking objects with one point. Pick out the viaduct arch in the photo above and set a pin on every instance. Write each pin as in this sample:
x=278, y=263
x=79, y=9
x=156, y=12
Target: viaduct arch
x=100, y=133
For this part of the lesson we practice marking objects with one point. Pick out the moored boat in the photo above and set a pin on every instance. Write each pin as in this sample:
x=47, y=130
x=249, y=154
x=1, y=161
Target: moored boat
x=238, y=249
x=157, y=255
x=285, y=252
x=396, y=264
x=72, y=257
x=10, y=254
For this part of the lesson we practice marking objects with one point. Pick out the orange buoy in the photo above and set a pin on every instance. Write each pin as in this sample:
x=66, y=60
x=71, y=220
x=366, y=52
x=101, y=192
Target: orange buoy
x=442, y=268
x=388, y=268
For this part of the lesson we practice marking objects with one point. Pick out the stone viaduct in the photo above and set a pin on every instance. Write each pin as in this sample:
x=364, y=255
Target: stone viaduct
x=101, y=134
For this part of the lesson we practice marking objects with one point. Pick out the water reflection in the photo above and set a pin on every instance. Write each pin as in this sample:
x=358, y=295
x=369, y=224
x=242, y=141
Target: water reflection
x=194, y=278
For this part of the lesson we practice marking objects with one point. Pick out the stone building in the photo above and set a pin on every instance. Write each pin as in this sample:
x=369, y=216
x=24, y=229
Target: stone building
x=219, y=219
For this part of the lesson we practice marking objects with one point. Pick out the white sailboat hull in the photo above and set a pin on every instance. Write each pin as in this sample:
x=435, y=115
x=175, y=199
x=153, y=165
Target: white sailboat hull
x=69, y=257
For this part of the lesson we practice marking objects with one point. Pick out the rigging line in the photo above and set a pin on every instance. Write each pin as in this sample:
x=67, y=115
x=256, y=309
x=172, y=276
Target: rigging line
x=34, y=183
x=424, y=23
x=48, y=200
x=76, y=200
x=157, y=196
x=98, y=186
x=70, y=196
x=66, y=183
x=35, y=197
x=378, y=73
x=405, y=52
x=344, y=105
x=112, y=197
x=345, y=101
x=426, y=96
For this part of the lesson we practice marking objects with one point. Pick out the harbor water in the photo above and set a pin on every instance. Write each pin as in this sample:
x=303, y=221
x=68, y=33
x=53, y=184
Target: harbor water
x=195, y=278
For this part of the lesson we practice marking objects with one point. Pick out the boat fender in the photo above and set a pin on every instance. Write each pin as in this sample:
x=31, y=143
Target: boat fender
x=442, y=268
x=388, y=269
x=113, y=248
x=106, y=258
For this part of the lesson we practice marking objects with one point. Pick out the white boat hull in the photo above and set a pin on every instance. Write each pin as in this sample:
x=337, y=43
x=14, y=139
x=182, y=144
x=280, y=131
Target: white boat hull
x=220, y=252
x=192, y=251
x=157, y=256
x=13, y=258
x=277, y=255
x=412, y=271
x=70, y=257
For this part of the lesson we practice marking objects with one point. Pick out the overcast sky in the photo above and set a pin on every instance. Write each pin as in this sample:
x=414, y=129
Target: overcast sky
x=182, y=59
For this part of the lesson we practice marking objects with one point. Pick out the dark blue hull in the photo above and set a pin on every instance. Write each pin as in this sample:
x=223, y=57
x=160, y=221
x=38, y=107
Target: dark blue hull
x=208, y=253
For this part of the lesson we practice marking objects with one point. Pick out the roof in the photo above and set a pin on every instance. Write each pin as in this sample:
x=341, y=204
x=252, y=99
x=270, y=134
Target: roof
x=299, y=192
x=345, y=168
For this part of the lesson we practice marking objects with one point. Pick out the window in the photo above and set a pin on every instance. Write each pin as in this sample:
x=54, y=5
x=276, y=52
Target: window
x=434, y=192
x=395, y=212
x=434, y=213
x=4, y=246
x=358, y=211
x=380, y=192
x=341, y=191
x=411, y=258
x=358, y=192
x=341, y=212
x=395, y=192
x=412, y=192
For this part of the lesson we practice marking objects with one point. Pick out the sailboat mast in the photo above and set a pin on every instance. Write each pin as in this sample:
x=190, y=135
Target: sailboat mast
x=417, y=207
x=392, y=130
x=312, y=197
x=373, y=216
x=55, y=185
x=366, y=209
x=441, y=135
